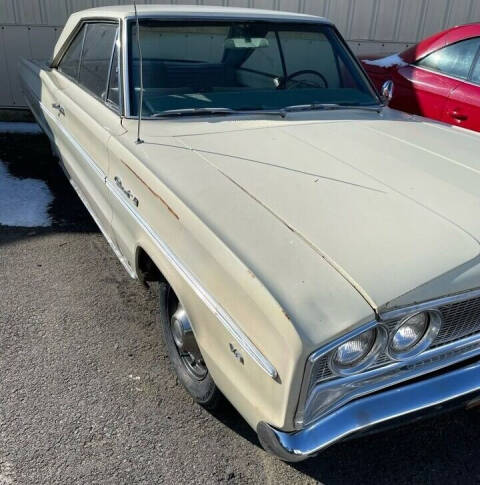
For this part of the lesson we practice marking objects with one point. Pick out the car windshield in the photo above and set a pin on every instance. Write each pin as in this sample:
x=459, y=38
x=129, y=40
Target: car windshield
x=242, y=66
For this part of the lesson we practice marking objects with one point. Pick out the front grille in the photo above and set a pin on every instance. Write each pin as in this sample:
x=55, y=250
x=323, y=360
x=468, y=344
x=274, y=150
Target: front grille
x=460, y=320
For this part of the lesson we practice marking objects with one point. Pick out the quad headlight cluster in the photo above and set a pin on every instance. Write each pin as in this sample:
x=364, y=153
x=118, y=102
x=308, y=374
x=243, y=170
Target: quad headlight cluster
x=408, y=338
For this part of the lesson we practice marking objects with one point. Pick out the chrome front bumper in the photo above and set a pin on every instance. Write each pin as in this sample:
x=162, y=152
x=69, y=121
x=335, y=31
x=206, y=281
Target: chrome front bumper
x=369, y=411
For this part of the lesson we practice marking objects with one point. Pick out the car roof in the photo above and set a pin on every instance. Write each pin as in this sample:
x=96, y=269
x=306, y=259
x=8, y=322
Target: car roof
x=175, y=12
x=124, y=11
x=441, y=39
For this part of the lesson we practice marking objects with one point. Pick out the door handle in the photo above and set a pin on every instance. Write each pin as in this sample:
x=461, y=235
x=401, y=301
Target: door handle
x=457, y=115
x=59, y=107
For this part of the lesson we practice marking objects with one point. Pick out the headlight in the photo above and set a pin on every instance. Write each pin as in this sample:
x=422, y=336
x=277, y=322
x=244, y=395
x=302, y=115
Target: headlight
x=359, y=352
x=414, y=334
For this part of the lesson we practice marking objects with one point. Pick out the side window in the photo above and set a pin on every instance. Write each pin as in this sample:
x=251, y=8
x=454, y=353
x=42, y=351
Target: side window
x=476, y=73
x=455, y=60
x=70, y=62
x=113, y=95
x=96, y=57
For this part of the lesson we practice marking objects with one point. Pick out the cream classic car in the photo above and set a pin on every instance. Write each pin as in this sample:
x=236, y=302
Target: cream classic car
x=315, y=254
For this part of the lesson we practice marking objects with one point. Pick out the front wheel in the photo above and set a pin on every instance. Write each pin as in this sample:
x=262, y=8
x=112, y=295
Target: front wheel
x=185, y=356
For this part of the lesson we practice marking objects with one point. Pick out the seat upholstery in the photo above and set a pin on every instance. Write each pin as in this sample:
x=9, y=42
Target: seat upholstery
x=197, y=76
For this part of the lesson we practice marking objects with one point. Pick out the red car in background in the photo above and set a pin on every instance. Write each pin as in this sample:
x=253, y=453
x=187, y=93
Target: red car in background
x=438, y=78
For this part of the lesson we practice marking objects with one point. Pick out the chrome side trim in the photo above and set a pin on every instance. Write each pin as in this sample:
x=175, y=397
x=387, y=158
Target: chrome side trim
x=225, y=319
x=431, y=304
x=369, y=411
x=100, y=174
x=117, y=252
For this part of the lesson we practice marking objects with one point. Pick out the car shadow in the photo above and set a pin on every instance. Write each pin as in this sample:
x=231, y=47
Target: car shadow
x=440, y=449
x=230, y=417
x=437, y=450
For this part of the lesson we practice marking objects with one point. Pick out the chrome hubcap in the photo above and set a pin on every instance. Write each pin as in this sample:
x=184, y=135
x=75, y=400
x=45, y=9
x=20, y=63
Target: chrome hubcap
x=186, y=344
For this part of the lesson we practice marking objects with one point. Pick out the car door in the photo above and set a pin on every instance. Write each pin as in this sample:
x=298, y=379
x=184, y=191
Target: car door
x=438, y=74
x=89, y=109
x=463, y=106
x=421, y=91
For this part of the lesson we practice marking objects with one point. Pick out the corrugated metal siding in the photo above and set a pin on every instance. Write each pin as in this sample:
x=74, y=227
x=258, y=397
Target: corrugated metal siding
x=29, y=28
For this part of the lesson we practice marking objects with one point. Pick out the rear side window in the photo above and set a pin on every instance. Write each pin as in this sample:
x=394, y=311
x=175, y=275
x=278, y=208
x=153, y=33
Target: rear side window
x=455, y=60
x=70, y=62
x=96, y=57
x=92, y=60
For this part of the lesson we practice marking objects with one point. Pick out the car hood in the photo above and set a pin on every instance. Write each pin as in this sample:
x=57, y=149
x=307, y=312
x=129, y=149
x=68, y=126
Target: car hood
x=393, y=205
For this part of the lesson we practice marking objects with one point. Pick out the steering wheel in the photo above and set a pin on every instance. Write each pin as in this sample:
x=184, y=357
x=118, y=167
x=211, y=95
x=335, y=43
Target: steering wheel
x=291, y=77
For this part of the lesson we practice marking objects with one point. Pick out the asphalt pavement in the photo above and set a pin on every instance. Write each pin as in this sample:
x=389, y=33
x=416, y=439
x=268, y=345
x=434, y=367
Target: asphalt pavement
x=87, y=394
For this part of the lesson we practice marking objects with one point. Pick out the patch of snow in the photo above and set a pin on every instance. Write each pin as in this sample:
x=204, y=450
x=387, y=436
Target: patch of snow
x=390, y=61
x=20, y=127
x=23, y=202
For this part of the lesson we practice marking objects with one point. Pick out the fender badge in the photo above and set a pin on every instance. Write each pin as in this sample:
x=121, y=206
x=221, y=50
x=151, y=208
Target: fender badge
x=236, y=354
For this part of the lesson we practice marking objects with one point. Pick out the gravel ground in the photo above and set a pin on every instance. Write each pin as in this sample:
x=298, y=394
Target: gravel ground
x=87, y=394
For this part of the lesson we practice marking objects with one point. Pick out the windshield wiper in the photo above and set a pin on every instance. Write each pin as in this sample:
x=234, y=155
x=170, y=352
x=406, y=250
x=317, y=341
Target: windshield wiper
x=172, y=113
x=213, y=111
x=329, y=107
x=193, y=112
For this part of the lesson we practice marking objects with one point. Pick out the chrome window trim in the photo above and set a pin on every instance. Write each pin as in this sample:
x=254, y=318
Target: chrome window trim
x=450, y=76
x=124, y=69
x=222, y=315
x=81, y=51
x=459, y=79
x=217, y=18
x=110, y=67
x=66, y=45
x=385, y=317
x=54, y=65
x=226, y=17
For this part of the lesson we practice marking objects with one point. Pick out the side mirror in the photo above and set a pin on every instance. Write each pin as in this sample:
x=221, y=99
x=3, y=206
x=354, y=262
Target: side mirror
x=387, y=91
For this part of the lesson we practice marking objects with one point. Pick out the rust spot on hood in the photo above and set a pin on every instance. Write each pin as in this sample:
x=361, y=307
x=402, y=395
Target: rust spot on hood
x=153, y=192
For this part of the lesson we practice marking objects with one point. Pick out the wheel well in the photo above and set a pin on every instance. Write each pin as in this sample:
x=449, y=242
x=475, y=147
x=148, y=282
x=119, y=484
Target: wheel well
x=146, y=269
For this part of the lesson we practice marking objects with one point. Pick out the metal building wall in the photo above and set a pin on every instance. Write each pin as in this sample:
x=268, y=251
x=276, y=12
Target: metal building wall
x=29, y=28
